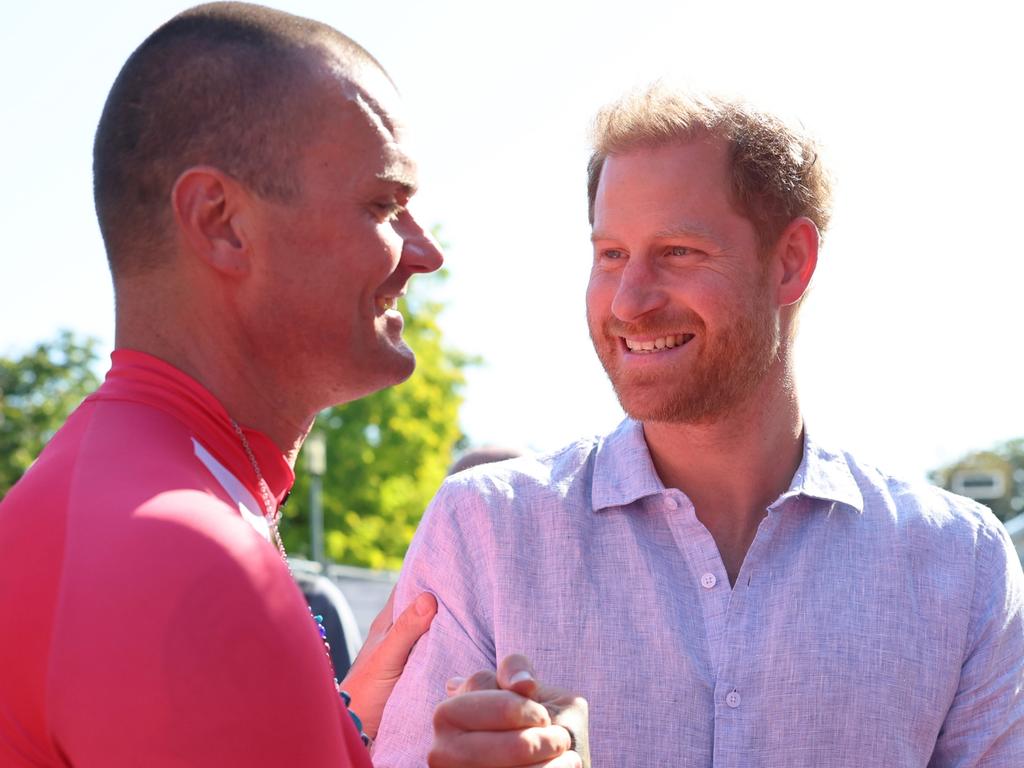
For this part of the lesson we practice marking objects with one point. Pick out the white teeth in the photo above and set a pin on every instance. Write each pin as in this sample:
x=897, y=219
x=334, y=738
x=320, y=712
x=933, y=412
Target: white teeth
x=663, y=342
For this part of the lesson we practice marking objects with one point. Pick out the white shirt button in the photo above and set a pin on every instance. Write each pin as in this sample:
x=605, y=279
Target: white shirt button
x=732, y=699
x=708, y=581
x=671, y=503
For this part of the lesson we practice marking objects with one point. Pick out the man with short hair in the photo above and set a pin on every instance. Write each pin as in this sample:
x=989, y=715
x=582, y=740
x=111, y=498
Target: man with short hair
x=723, y=588
x=252, y=185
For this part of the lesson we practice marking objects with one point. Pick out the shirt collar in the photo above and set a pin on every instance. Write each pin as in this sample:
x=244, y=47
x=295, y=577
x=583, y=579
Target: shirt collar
x=624, y=472
x=141, y=378
x=824, y=474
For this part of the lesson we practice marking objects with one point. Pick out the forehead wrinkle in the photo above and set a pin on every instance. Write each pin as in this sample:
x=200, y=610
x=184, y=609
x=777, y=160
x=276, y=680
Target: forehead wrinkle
x=347, y=76
x=687, y=229
x=396, y=166
x=684, y=229
x=399, y=168
x=377, y=117
x=338, y=75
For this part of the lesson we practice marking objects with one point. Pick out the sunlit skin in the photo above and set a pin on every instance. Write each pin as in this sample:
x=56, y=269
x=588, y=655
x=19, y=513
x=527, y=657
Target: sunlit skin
x=674, y=259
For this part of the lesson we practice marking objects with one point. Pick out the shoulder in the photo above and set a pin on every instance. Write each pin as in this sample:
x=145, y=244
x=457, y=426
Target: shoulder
x=185, y=601
x=926, y=516
x=177, y=574
x=111, y=452
x=910, y=497
x=481, y=509
x=136, y=510
x=530, y=476
x=106, y=461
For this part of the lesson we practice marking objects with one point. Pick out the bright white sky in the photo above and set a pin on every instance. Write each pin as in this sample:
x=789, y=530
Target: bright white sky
x=911, y=346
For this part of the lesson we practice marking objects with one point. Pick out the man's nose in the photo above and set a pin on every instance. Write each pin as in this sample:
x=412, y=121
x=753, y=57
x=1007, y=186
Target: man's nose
x=420, y=251
x=638, y=292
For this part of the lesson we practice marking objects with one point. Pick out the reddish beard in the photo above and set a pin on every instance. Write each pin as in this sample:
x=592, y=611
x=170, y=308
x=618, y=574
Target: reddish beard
x=723, y=372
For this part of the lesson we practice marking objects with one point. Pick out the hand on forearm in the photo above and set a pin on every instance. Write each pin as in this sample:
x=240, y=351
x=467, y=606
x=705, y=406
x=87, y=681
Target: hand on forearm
x=383, y=656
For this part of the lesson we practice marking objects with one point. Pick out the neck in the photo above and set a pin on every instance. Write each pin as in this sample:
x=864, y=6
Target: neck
x=734, y=468
x=738, y=464
x=205, y=348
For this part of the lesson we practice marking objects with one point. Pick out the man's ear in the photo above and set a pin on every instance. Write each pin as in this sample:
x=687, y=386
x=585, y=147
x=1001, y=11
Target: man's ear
x=797, y=252
x=206, y=204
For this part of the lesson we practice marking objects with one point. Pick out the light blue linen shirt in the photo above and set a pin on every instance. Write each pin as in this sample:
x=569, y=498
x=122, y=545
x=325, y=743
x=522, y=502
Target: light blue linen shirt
x=873, y=622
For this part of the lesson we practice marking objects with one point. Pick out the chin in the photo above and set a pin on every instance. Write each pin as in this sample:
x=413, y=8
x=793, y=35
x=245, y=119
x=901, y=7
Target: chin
x=358, y=379
x=655, y=401
x=405, y=359
x=399, y=366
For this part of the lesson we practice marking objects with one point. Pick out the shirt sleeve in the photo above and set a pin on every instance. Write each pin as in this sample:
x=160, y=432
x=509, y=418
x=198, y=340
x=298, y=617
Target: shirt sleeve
x=188, y=644
x=449, y=557
x=985, y=724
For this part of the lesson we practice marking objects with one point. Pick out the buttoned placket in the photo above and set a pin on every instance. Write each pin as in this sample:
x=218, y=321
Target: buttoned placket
x=724, y=610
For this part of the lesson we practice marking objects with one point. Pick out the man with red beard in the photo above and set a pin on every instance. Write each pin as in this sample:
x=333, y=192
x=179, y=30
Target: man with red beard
x=723, y=588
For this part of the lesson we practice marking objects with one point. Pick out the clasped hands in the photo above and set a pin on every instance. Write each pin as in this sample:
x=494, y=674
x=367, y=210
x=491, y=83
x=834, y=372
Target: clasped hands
x=507, y=719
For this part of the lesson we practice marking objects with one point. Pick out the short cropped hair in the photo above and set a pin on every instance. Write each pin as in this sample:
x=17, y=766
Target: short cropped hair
x=487, y=454
x=777, y=174
x=222, y=84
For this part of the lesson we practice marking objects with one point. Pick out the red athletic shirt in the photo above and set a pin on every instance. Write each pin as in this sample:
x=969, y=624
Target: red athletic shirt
x=143, y=618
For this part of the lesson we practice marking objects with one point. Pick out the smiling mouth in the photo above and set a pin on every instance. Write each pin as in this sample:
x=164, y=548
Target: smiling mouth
x=657, y=345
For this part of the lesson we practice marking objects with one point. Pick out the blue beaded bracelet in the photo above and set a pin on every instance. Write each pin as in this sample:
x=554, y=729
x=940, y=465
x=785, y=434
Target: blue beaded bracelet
x=367, y=741
x=345, y=697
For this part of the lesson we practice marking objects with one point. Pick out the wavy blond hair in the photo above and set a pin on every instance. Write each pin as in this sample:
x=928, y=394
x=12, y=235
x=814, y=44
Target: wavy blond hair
x=777, y=173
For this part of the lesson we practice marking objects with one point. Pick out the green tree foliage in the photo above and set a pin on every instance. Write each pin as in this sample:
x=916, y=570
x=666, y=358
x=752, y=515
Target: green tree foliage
x=1003, y=464
x=386, y=453
x=37, y=392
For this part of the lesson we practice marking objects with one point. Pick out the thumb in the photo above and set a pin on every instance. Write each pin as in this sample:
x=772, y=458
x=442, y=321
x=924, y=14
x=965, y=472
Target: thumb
x=397, y=644
x=515, y=673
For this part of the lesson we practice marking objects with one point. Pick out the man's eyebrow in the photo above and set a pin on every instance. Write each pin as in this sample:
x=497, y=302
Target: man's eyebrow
x=401, y=171
x=405, y=182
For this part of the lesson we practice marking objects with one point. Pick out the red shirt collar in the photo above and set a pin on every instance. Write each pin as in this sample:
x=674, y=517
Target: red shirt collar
x=141, y=378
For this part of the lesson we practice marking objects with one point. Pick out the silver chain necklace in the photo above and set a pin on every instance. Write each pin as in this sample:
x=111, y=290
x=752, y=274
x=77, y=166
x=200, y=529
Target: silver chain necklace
x=272, y=515
x=270, y=511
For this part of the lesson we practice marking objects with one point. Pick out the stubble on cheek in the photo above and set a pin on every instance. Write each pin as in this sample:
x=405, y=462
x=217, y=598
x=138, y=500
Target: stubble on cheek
x=723, y=371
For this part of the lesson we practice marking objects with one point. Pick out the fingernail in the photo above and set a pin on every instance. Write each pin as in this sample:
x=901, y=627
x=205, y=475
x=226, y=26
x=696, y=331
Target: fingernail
x=522, y=676
x=453, y=682
x=423, y=605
